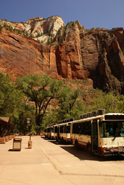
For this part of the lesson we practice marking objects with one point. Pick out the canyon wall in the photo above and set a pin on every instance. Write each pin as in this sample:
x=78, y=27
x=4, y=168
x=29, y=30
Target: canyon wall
x=47, y=46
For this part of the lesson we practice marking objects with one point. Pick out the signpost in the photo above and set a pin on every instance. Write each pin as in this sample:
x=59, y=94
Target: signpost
x=29, y=142
x=29, y=122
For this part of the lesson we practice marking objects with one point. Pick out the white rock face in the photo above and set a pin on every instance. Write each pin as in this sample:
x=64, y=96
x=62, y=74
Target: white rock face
x=48, y=26
x=43, y=39
x=38, y=28
x=41, y=29
x=55, y=25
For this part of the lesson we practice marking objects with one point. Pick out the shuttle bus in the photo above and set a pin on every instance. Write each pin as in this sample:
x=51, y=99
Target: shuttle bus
x=97, y=132
x=100, y=133
x=59, y=132
x=55, y=131
x=63, y=130
x=49, y=132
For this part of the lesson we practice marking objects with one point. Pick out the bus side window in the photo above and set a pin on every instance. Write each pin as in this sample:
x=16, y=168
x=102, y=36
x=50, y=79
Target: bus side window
x=82, y=128
x=55, y=129
x=68, y=129
x=61, y=129
x=79, y=128
x=74, y=129
x=85, y=128
x=64, y=129
x=89, y=128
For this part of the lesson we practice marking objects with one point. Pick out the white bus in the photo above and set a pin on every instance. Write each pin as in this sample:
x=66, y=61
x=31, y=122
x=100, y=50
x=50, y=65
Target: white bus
x=62, y=130
x=49, y=131
x=55, y=131
x=98, y=132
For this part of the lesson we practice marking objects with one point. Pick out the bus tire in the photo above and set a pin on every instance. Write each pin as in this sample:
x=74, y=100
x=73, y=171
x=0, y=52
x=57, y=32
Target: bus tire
x=89, y=148
x=62, y=140
x=76, y=144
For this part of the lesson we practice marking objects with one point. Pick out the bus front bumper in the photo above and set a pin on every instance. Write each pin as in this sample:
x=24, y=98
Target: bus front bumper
x=111, y=151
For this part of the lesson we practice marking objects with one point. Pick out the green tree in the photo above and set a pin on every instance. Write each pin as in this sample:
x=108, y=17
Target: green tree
x=120, y=103
x=69, y=104
x=52, y=91
x=21, y=124
x=11, y=99
x=107, y=101
x=41, y=90
x=33, y=87
x=78, y=109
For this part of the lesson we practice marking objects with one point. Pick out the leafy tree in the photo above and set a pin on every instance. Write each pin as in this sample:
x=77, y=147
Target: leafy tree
x=10, y=98
x=32, y=86
x=107, y=101
x=78, y=109
x=120, y=103
x=69, y=104
x=52, y=91
x=52, y=117
x=41, y=90
x=21, y=124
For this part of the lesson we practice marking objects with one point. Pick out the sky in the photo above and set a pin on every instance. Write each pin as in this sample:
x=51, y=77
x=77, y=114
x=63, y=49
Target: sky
x=90, y=13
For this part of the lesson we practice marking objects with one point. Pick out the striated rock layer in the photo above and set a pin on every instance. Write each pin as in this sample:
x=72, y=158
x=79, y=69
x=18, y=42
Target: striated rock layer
x=71, y=51
x=20, y=55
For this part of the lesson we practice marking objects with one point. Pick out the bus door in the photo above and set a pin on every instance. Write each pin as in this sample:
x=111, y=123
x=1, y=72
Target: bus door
x=94, y=136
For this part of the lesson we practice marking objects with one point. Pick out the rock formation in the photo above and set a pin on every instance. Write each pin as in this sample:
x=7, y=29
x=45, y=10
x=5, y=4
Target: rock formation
x=20, y=55
x=62, y=51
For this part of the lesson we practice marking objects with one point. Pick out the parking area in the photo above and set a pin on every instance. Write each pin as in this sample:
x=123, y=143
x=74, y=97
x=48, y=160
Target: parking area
x=49, y=162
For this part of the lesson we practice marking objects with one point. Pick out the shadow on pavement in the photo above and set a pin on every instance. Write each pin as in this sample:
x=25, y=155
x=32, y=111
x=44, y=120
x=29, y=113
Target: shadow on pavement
x=11, y=150
x=84, y=155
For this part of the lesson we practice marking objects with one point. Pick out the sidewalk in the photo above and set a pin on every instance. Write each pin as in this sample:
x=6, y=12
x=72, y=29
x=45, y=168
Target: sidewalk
x=28, y=166
x=49, y=163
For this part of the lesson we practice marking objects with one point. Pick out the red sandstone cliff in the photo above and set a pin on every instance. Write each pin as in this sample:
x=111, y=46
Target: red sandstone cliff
x=71, y=52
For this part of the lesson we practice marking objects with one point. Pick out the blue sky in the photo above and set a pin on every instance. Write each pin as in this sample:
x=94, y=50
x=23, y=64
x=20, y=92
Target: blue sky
x=90, y=13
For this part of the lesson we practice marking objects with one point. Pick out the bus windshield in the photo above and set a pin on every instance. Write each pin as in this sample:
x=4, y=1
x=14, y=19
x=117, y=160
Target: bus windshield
x=112, y=129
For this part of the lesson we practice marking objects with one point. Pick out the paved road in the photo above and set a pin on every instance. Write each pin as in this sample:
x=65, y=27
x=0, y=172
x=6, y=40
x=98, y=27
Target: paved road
x=51, y=163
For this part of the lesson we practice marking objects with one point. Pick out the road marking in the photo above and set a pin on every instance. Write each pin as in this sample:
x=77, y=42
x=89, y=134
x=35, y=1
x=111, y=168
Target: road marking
x=67, y=165
x=94, y=175
x=46, y=164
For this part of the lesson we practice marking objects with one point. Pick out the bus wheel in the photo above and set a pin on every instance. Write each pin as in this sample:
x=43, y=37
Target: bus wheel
x=76, y=144
x=89, y=148
x=103, y=154
x=62, y=140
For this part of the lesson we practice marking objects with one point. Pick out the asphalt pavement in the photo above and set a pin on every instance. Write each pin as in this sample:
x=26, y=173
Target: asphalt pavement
x=49, y=163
